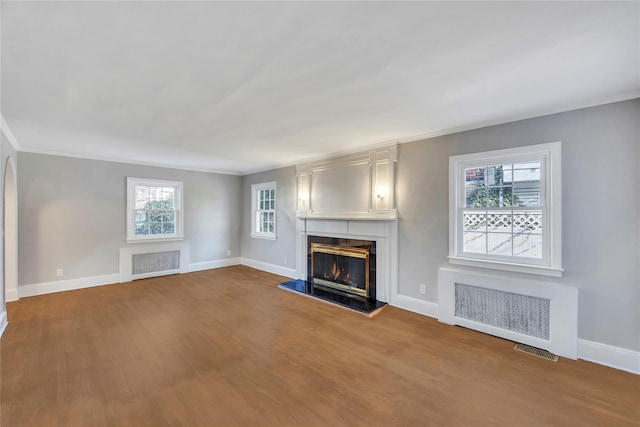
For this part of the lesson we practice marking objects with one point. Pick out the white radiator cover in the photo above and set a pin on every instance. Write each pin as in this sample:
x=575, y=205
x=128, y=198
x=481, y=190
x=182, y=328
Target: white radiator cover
x=538, y=313
x=151, y=264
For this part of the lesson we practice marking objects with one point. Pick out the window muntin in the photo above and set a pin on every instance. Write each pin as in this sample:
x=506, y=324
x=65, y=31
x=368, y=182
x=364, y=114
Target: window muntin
x=264, y=210
x=154, y=210
x=505, y=209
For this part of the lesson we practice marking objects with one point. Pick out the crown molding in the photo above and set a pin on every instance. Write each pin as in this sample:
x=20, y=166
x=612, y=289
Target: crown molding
x=7, y=132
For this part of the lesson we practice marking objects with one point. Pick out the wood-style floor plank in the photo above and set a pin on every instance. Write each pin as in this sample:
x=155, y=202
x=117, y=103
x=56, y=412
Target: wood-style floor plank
x=225, y=347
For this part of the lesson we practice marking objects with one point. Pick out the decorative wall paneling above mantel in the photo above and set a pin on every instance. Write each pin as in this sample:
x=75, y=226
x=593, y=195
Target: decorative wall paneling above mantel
x=357, y=186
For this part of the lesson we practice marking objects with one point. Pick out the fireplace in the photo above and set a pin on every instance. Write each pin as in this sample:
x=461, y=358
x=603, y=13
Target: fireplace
x=344, y=265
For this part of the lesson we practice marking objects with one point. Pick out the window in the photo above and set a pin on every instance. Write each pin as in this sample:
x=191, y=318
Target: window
x=505, y=209
x=153, y=210
x=263, y=208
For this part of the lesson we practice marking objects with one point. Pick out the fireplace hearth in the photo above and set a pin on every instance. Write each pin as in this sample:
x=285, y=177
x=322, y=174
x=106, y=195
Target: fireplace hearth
x=340, y=271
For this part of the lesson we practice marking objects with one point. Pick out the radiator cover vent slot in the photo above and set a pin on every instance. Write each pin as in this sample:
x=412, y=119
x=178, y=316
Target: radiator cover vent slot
x=155, y=262
x=513, y=312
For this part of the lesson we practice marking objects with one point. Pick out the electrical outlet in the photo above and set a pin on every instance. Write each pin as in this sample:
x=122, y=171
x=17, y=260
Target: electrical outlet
x=229, y=252
x=59, y=272
x=423, y=289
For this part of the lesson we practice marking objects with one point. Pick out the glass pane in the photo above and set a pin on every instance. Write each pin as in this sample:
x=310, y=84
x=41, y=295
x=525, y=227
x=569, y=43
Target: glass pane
x=499, y=244
x=167, y=204
x=141, y=192
x=527, y=194
x=270, y=227
x=473, y=221
x=155, y=193
x=168, y=228
x=272, y=204
x=141, y=203
x=499, y=197
x=507, y=174
x=526, y=175
x=155, y=228
x=527, y=222
x=142, y=228
x=528, y=165
x=474, y=242
x=270, y=216
x=476, y=195
x=527, y=245
x=499, y=221
x=155, y=216
x=167, y=193
x=273, y=194
x=141, y=216
x=168, y=217
x=495, y=174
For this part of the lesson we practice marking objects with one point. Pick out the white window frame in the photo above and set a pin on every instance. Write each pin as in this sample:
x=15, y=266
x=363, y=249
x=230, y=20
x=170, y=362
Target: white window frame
x=131, y=204
x=549, y=155
x=255, y=191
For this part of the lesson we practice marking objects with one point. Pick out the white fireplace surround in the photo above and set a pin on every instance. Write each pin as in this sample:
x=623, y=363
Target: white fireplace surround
x=383, y=232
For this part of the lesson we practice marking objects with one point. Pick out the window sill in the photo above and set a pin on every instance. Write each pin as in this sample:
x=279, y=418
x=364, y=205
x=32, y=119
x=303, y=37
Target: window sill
x=260, y=236
x=519, y=268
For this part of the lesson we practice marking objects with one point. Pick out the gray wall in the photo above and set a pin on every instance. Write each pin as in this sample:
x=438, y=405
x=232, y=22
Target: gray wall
x=600, y=202
x=601, y=211
x=270, y=251
x=72, y=215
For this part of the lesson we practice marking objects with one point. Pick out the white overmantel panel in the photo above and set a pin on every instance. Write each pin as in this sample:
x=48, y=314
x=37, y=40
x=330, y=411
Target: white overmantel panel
x=355, y=186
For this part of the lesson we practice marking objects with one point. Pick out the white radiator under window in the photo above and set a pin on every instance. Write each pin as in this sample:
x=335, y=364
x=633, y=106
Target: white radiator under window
x=541, y=314
x=152, y=260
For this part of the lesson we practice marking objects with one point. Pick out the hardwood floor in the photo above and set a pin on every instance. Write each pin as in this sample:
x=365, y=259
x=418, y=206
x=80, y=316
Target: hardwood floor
x=225, y=347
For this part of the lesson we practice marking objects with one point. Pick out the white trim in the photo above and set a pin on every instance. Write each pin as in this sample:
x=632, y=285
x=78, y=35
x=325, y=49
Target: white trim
x=426, y=308
x=62, y=153
x=178, y=208
x=549, y=155
x=12, y=295
x=210, y=265
x=269, y=268
x=608, y=355
x=520, y=268
x=255, y=188
x=3, y=322
x=66, y=285
x=7, y=132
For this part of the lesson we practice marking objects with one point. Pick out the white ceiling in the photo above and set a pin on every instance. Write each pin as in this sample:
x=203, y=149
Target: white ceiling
x=243, y=86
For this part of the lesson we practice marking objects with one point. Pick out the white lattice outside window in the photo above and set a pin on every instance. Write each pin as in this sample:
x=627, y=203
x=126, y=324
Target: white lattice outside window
x=263, y=202
x=505, y=209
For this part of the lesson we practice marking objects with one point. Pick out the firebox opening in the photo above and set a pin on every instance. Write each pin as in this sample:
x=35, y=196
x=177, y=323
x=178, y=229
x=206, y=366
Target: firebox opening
x=344, y=268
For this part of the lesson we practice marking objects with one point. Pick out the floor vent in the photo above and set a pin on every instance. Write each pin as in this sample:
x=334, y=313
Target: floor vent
x=544, y=354
x=157, y=262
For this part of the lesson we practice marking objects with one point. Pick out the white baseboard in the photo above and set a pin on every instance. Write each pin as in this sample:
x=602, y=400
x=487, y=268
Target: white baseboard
x=608, y=355
x=3, y=322
x=269, y=268
x=416, y=305
x=67, y=285
x=11, y=295
x=218, y=263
